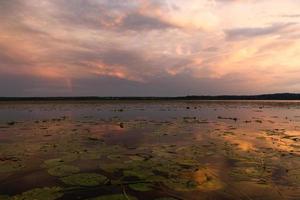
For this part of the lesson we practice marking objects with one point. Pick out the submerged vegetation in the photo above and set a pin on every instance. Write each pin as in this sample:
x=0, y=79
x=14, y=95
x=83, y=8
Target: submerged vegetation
x=188, y=150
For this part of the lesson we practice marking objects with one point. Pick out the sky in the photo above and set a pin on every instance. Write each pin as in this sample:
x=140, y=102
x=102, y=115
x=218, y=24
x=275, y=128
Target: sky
x=149, y=47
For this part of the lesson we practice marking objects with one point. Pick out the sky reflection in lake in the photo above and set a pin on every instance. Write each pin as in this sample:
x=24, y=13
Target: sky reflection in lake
x=150, y=150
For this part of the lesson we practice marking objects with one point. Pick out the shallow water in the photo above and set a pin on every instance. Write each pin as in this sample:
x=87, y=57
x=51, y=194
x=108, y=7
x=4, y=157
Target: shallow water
x=150, y=150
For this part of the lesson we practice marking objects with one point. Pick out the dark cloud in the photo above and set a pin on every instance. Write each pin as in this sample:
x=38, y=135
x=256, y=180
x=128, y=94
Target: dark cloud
x=117, y=15
x=137, y=64
x=28, y=85
x=8, y=60
x=178, y=85
x=245, y=33
x=12, y=8
x=136, y=21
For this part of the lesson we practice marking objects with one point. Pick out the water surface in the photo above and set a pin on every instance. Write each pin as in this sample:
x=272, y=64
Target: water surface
x=150, y=150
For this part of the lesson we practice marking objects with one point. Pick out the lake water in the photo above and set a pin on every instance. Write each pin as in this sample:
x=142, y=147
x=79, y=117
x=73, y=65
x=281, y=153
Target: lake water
x=150, y=150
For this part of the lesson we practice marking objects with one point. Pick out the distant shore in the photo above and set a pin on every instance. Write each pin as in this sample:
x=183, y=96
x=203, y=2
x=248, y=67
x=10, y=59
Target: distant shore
x=279, y=96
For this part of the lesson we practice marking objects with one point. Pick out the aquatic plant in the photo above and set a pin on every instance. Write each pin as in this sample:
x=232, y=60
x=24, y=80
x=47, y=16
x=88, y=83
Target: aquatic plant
x=85, y=179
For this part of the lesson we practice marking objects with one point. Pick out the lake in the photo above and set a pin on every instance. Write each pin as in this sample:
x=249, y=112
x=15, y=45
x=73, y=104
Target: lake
x=150, y=150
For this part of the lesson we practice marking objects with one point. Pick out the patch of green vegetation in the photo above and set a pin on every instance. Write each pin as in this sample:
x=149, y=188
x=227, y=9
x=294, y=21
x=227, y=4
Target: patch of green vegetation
x=112, y=167
x=116, y=156
x=141, y=187
x=4, y=197
x=181, y=184
x=69, y=157
x=84, y=179
x=115, y=197
x=40, y=194
x=136, y=172
x=90, y=155
x=136, y=158
x=10, y=166
x=63, y=170
x=53, y=162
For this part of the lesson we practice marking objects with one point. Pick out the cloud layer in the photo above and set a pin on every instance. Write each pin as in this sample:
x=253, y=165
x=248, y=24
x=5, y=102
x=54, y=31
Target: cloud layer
x=148, y=47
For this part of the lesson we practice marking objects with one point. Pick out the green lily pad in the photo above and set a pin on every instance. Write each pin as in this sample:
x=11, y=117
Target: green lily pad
x=53, y=162
x=181, y=184
x=141, y=187
x=69, y=157
x=10, y=166
x=40, y=194
x=111, y=167
x=4, y=197
x=115, y=197
x=116, y=157
x=91, y=155
x=63, y=170
x=84, y=179
x=136, y=158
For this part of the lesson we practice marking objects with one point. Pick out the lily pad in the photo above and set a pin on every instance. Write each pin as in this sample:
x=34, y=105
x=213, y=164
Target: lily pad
x=137, y=158
x=40, y=194
x=4, y=197
x=116, y=157
x=84, y=179
x=111, y=167
x=141, y=187
x=53, y=162
x=181, y=184
x=10, y=166
x=63, y=170
x=115, y=197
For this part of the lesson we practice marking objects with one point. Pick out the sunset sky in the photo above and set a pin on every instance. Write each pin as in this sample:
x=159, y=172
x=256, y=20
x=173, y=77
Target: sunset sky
x=148, y=47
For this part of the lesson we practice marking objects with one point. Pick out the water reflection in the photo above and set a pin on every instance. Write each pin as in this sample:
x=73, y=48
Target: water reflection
x=179, y=150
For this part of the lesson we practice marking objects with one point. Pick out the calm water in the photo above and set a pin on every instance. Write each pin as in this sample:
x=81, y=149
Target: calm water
x=150, y=150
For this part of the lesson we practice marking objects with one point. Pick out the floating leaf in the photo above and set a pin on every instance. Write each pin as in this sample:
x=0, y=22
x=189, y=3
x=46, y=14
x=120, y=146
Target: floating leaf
x=63, y=170
x=40, y=194
x=141, y=187
x=116, y=197
x=181, y=184
x=85, y=179
x=53, y=162
x=10, y=166
x=4, y=197
x=136, y=158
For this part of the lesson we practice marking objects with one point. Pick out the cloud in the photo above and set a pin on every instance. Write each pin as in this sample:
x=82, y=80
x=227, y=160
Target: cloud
x=136, y=21
x=117, y=15
x=245, y=33
x=146, y=47
x=291, y=16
